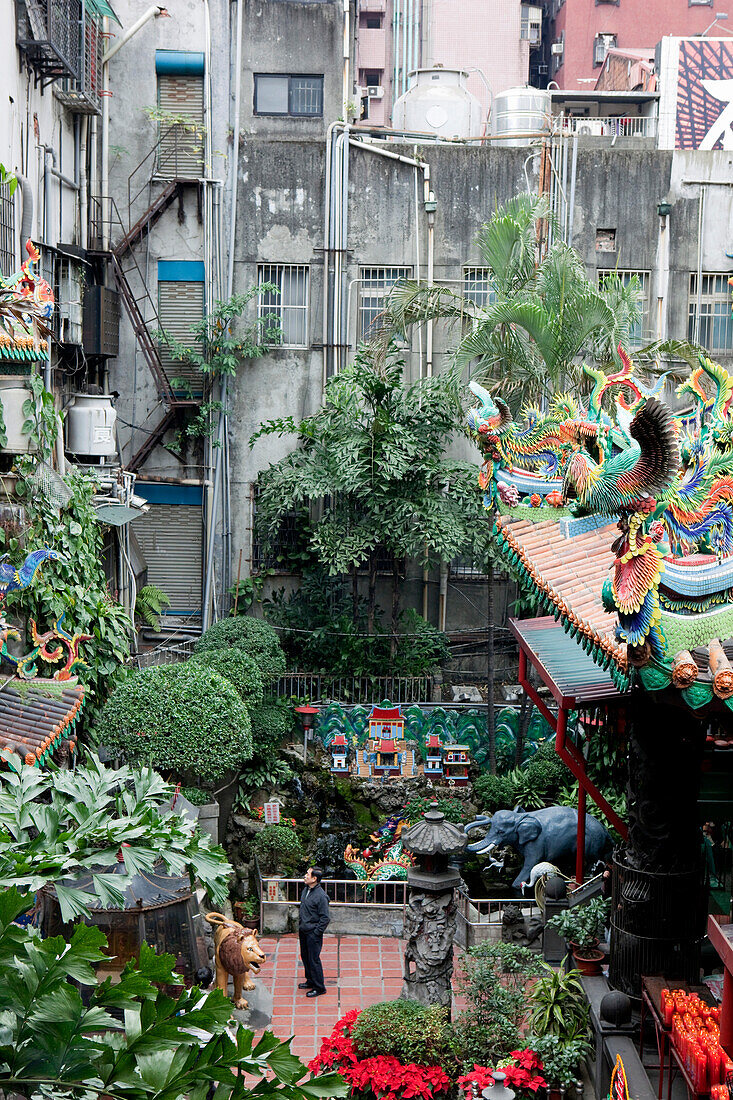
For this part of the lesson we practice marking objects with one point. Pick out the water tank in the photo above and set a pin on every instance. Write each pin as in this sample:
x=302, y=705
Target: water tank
x=90, y=426
x=13, y=396
x=439, y=102
x=521, y=112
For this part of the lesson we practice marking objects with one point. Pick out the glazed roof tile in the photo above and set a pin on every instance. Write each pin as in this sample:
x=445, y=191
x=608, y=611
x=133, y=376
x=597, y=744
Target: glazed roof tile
x=33, y=721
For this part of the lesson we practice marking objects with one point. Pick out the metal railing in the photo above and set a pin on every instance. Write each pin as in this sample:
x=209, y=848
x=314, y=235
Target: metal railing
x=607, y=126
x=481, y=920
x=340, y=891
x=165, y=655
x=353, y=689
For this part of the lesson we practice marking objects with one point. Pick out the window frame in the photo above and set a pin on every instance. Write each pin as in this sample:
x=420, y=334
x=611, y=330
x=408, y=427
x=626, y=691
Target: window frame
x=265, y=306
x=377, y=292
x=719, y=297
x=290, y=78
x=645, y=278
x=7, y=231
x=600, y=39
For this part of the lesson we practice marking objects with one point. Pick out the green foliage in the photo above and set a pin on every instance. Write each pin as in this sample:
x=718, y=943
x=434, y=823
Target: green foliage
x=278, y=849
x=130, y=1039
x=185, y=719
x=559, y=1005
x=494, y=984
x=196, y=796
x=322, y=631
x=57, y=825
x=494, y=792
x=453, y=808
x=375, y=457
x=528, y=342
x=405, y=1030
x=9, y=178
x=616, y=798
x=41, y=422
x=560, y=1059
x=546, y=771
x=255, y=637
x=150, y=604
x=271, y=724
x=76, y=585
x=582, y=923
x=261, y=774
x=236, y=666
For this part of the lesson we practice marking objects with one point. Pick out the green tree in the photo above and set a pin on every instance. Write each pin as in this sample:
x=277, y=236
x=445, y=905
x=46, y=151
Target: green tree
x=543, y=316
x=131, y=1040
x=74, y=586
x=374, y=459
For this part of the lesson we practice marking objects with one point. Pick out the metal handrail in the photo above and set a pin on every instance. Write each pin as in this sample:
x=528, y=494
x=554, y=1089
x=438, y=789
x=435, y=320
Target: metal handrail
x=176, y=131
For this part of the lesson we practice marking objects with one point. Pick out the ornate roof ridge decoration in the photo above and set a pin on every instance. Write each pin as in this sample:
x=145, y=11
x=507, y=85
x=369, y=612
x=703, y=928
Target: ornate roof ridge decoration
x=667, y=481
x=26, y=307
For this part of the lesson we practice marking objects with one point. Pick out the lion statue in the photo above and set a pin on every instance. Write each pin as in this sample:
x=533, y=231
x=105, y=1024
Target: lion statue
x=237, y=953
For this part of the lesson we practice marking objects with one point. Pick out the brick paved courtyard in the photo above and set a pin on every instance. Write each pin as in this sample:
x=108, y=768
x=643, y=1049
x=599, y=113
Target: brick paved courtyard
x=359, y=971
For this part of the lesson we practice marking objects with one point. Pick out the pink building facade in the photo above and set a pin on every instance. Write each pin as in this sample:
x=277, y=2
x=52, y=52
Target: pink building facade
x=582, y=31
x=394, y=37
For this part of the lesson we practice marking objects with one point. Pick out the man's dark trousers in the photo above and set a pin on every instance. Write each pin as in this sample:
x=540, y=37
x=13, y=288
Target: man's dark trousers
x=310, y=952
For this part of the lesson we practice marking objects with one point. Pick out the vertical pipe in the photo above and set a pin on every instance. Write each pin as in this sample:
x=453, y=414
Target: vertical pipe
x=572, y=190
x=698, y=305
x=104, y=196
x=395, y=48
x=416, y=35
x=580, y=849
x=403, y=81
x=346, y=90
x=83, y=189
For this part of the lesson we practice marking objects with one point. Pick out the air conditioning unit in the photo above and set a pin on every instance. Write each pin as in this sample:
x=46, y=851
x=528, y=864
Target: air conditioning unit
x=590, y=127
x=542, y=70
x=556, y=49
x=374, y=91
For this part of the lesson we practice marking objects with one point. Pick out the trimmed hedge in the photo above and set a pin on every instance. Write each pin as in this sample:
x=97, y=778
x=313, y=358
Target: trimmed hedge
x=185, y=719
x=255, y=637
x=239, y=668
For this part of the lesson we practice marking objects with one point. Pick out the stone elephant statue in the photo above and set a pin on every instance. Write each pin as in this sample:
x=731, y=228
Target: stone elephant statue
x=547, y=835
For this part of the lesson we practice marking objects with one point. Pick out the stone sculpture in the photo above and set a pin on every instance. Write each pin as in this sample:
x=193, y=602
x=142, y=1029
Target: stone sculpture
x=430, y=926
x=237, y=953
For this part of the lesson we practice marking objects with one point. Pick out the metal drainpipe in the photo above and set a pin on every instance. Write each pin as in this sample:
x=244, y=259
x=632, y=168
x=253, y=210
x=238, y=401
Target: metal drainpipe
x=346, y=90
x=700, y=232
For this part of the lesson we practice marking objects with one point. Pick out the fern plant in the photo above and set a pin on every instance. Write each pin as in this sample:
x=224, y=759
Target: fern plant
x=150, y=604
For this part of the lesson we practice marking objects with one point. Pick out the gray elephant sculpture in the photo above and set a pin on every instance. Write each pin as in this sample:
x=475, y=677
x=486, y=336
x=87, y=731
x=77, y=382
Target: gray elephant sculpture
x=539, y=836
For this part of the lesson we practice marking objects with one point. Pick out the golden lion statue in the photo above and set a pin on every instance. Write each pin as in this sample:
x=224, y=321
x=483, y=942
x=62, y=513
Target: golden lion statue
x=237, y=953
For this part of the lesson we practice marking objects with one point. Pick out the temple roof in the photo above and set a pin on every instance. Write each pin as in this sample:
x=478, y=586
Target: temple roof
x=385, y=714
x=33, y=719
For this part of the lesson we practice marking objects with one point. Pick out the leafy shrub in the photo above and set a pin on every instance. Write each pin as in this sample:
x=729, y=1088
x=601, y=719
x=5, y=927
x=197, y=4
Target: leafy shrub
x=494, y=792
x=254, y=636
x=278, y=849
x=453, y=808
x=494, y=984
x=328, y=634
x=259, y=774
x=559, y=1005
x=184, y=719
x=239, y=668
x=406, y=1030
x=546, y=771
x=196, y=796
x=560, y=1058
x=271, y=724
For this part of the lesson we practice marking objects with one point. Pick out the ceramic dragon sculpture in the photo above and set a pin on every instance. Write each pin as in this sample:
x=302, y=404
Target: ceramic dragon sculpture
x=26, y=303
x=385, y=859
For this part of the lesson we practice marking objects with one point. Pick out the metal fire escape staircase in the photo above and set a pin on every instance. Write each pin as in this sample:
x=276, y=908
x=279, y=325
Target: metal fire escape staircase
x=140, y=306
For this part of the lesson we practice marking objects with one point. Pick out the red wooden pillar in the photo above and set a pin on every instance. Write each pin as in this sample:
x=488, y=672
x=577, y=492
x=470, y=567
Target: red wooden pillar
x=721, y=937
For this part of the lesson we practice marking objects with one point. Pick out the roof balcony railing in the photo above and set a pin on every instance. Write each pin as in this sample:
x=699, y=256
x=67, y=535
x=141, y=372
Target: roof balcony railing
x=607, y=126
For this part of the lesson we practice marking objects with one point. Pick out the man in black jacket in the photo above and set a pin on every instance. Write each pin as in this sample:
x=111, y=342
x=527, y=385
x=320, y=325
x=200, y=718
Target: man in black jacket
x=313, y=922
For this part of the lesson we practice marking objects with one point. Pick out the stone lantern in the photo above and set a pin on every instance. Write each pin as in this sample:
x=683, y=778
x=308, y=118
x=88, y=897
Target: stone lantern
x=430, y=915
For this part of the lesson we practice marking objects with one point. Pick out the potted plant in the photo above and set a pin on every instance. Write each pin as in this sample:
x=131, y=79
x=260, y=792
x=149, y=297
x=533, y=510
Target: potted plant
x=558, y=1005
x=561, y=1060
x=247, y=912
x=580, y=926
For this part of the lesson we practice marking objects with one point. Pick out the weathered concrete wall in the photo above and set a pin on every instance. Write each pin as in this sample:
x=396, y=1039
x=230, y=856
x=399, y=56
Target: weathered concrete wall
x=346, y=920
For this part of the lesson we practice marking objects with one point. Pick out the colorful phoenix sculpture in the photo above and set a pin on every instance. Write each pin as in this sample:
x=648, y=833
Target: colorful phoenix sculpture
x=666, y=478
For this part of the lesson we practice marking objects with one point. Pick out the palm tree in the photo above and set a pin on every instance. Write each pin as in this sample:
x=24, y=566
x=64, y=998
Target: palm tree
x=544, y=313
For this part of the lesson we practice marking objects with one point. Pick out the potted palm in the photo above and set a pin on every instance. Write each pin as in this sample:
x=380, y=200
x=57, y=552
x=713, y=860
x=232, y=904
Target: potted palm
x=580, y=926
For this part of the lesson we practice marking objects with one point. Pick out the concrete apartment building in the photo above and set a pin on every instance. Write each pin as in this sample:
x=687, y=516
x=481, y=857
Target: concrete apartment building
x=333, y=216
x=581, y=32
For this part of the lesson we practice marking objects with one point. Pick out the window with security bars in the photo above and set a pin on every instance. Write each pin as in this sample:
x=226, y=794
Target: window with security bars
x=713, y=328
x=300, y=96
x=289, y=304
x=531, y=24
x=281, y=554
x=375, y=284
x=636, y=333
x=477, y=286
x=7, y=230
x=602, y=44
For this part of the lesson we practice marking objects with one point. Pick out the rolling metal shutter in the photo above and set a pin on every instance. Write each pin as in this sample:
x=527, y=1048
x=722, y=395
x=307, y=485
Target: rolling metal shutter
x=180, y=304
x=181, y=148
x=171, y=539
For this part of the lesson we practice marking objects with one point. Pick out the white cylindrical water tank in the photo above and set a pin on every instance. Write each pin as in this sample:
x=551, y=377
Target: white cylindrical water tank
x=90, y=426
x=439, y=102
x=524, y=112
x=13, y=396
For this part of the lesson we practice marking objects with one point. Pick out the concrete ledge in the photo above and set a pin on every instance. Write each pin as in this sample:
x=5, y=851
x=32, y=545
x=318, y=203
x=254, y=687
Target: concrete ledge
x=608, y=1046
x=346, y=920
